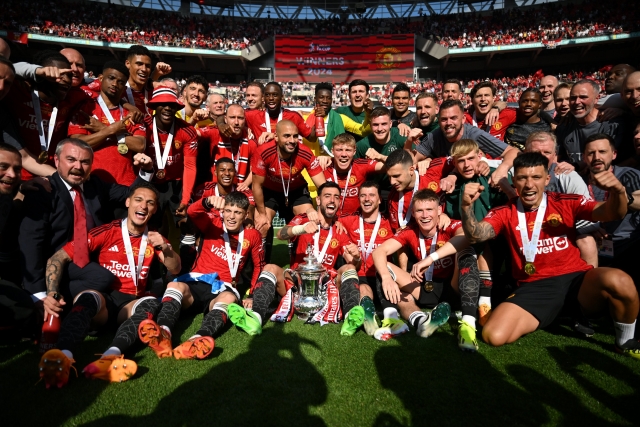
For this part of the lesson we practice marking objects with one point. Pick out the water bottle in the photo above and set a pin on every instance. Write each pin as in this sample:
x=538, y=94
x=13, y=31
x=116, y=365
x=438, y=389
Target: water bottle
x=50, y=333
x=320, y=126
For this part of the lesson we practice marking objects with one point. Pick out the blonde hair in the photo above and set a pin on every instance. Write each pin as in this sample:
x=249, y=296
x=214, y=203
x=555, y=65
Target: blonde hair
x=344, y=139
x=464, y=147
x=541, y=136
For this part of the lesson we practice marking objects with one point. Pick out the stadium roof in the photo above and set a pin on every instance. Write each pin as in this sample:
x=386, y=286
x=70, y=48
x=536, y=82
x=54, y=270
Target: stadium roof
x=323, y=9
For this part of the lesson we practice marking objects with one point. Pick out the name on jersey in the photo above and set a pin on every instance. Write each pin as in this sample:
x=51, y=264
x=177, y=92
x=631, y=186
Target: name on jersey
x=546, y=246
x=124, y=271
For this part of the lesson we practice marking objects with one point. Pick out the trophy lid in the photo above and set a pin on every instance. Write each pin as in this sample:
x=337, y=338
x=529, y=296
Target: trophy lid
x=311, y=265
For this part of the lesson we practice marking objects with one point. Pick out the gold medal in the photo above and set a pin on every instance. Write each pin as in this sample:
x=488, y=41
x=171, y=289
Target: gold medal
x=428, y=286
x=123, y=149
x=286, y=201
x=161, y=174
x=233, y=283
x=43, y=157
x=529, y=268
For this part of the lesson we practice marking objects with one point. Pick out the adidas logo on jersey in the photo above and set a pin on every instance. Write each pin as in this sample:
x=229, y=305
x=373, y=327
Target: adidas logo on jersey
x=114, y=248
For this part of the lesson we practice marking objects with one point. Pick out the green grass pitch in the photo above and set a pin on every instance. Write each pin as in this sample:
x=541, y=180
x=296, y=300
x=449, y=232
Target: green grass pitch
x=303, y=375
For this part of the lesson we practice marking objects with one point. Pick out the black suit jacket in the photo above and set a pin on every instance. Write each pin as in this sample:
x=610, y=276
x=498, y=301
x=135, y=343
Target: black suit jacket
x=48, y=222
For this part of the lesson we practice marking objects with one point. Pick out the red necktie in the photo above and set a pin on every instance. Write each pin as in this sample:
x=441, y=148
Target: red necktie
x=81, y=250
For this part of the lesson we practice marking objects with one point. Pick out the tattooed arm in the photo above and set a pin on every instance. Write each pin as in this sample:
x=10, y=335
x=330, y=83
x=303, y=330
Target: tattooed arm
x=53, y=274
x=476, y=232
x=288, y=232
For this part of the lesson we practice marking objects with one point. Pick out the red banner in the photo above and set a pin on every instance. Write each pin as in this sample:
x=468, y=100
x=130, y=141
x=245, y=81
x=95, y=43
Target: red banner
x=380, y=58
x=18, y=37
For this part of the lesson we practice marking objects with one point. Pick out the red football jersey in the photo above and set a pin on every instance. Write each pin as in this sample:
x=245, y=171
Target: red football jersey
x=108, y=164
x=140, y=98
x=499, y=129
x=221, y=146
x=427, y=180
x=267, y=163
x=334, y=248
x=107, y=249
x=20, y=103
x=257, y=123
x=209, y=189
x=213, y=257
x=408, y=237
x=352, y=224
x=360, y=170
x=92, y=89
x=181, y=162
x=557, y=252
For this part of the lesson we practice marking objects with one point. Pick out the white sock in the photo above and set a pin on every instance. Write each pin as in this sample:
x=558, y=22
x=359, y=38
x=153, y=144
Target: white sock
x=417, y=318
x=195, y=336
x=258, y=316
x=166, y=328
x=469, y=320
x=624, y=332
x=484, y=300
x=112, y=351
x=390, y=313
x=68, y=354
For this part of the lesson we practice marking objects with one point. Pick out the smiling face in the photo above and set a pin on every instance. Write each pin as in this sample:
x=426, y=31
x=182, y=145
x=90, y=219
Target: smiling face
x=561, y=101
x=369, y=198
x=195, y=94
x=139, y=69
x=328, y=202
x=400, y=102
x=166, y=113
x=77, y=65
x=545, y=147
x=451, y=121
x=582, y=100
x=343, y=156
x=324, y=98
x=426, y=213
x=547, y=85
x=273, y=98
x=253, y=96
x=529, y=104
x=599, y=155
x=357, y=95
x=10, y=172
x=450, y=91
x=483, y=101
x=631, y=92
x=113, y=83
x=233, y=217
x=142, y=204
x=427, y=111
x=530, y=183
x=216, y=105
x=287, y=137
x=225, y=174
x=74, y=164
x=466, y=165
x=381, y=126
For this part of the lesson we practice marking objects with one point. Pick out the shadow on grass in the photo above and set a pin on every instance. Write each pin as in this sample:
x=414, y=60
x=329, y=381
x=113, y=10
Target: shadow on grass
x=273, y=383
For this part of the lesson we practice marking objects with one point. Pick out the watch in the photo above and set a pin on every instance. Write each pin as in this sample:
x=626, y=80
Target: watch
x=496, y=107
x=629, y=198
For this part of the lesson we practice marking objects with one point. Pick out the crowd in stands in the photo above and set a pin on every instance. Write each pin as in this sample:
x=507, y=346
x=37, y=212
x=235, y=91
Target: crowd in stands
x=99, y=22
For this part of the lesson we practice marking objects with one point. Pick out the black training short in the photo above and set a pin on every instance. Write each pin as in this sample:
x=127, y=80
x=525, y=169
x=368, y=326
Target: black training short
x=276, y=200
x=202, y=296
x=429, y=299
x=116, y=301
x=545, y=298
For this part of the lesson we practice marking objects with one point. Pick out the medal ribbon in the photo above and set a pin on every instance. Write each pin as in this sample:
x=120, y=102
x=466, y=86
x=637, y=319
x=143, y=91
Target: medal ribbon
x=235, y=263
x=126, y=238
x=404, y=221
x=346, y=184
x=428, y=275
x=133, y=101
x=107, y=114
x=44, y=143
x=367, y=249
x=267, y=119
x=162, y=161
x=316, y=239
x=529, y=247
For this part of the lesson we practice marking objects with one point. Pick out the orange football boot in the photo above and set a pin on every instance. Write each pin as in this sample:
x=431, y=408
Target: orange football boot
x=484, y=312
x=54, y=368
x=156, y=337
x=195, y=348
x=111, y=368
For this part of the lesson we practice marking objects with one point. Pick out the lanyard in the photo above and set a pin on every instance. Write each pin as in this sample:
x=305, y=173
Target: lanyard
x=267, y=119
x=285, y=190
x=316, y=239
x=367, y=249
x=404, y=221
x=235, y=263
x=162, y=160
x=44, y=143
x=346, y=184
x=133, y=101
x=529, y=247
x=126, y=238
x=428, y=275
x=107, y=114
x=217, y=192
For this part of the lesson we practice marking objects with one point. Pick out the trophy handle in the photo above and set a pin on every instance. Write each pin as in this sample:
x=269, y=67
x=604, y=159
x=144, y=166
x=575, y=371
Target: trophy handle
x=294, y=275
x=324, y=285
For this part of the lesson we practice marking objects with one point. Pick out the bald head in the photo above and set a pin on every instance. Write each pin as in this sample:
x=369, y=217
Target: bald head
x=615, y=78
x=287, y=137
x=5, y=50
x=631, y=92
x=78, y=66
x=547, y=85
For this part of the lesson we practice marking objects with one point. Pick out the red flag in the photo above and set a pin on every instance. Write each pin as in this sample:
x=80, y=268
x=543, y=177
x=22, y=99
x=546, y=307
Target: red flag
x=22, y=38
x=539, y=74
x=606, y=68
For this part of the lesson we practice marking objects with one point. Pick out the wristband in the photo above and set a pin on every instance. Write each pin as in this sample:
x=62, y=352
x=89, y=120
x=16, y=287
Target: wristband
x=434, y=256
x=298, y=230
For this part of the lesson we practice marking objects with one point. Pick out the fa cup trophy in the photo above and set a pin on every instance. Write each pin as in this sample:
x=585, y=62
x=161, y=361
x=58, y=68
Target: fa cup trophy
x=312, y=292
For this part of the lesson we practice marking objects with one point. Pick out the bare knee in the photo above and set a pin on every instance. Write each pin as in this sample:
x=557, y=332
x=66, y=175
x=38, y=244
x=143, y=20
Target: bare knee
x=182, y=287
x=494, y=336
x=272, y=268
x=620, y=286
